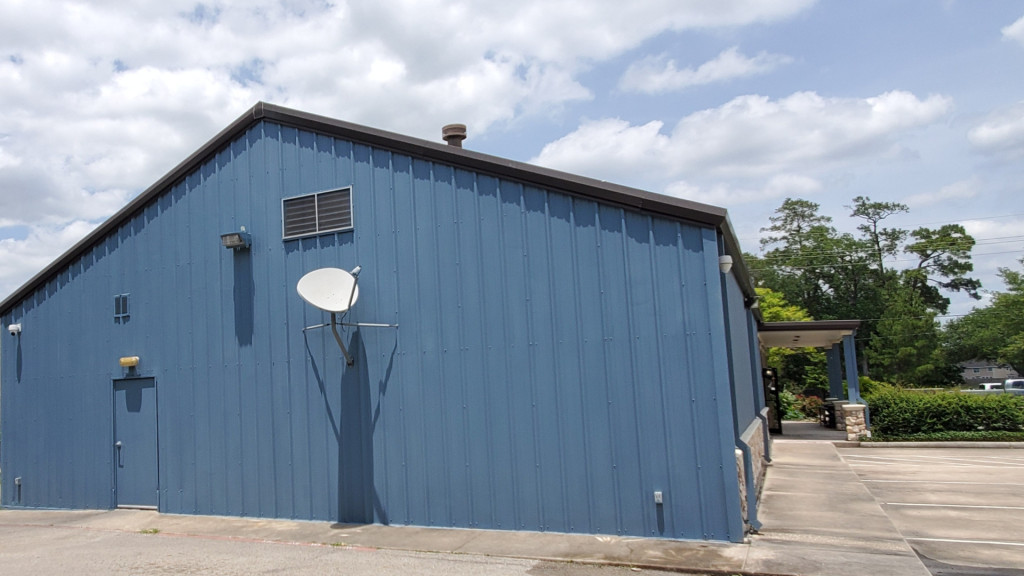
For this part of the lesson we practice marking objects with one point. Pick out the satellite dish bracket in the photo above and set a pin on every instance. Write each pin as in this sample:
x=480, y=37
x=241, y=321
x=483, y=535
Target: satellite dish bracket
x=335, y=323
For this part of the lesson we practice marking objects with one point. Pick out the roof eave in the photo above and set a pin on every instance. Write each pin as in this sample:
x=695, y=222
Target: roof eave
x=598, y=190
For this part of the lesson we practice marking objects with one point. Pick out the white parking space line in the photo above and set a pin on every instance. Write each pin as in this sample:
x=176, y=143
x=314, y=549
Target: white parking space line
x=953, y=505
x=946, y=482
x=906, y=463
x=880, y=460
x=981, y=459
x=968, y=541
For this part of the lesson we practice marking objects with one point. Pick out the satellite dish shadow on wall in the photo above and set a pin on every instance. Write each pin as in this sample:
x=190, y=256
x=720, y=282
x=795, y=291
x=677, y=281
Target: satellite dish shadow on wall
x=355, y=448
x=353, y=427
x=244, y=295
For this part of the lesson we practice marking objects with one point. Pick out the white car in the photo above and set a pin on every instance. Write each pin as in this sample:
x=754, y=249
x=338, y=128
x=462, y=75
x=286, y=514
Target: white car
x=995, y=386
x=1014, y=384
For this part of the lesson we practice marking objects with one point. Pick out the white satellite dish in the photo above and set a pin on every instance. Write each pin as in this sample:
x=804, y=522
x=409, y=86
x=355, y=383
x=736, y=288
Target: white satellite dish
x=334, y=290
x=329, y=289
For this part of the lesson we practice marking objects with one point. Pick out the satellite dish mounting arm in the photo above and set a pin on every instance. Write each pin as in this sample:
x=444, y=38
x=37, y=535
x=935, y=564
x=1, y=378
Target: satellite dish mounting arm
x=344, y=351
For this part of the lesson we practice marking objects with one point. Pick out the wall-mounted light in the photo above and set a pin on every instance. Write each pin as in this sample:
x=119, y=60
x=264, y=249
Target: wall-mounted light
x=725, y=263
x=236, y=240
x=14, y=329
x=129, y=362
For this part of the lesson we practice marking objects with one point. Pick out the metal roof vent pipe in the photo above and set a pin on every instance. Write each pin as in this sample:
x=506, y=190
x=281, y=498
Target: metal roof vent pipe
x=454, y=134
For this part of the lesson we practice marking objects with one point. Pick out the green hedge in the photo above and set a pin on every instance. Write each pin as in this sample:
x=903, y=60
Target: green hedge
x=992, y=436
x=898, y=412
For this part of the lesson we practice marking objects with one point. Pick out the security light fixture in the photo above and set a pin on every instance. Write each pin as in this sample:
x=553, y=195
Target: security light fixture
x=129, y=361
x=725, y=263
x=14, y=329
x=236, y=240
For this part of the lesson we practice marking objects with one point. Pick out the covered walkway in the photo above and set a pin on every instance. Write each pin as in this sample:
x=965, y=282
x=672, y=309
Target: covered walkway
x=836, y=337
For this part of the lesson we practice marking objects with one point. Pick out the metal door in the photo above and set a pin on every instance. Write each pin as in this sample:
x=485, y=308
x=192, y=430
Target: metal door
x=135, y=443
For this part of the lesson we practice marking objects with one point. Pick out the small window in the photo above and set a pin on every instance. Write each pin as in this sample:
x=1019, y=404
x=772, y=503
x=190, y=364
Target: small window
x=329, y=211
x=976, y=370
x=120, y=308
x=989, y=368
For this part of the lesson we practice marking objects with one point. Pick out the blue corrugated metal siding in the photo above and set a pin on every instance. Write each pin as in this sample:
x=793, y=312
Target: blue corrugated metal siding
x=745, y=398
x=557, y=360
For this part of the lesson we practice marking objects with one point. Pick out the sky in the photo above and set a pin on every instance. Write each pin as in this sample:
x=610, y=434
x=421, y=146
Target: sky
x=736, y=103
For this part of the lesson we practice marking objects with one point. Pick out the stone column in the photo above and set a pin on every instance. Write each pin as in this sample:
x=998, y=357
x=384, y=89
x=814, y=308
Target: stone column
x=856, y=426
x=839, y=416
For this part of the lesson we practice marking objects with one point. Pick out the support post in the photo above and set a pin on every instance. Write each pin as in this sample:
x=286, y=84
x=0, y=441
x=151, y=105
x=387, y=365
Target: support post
x=835, y=373
x=852, y=378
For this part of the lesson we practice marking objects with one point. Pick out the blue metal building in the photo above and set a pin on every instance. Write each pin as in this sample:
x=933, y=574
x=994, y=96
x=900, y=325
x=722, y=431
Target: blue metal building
x=566, y=349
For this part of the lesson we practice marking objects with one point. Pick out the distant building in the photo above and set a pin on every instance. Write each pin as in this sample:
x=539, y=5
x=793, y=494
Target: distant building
x=982, y=371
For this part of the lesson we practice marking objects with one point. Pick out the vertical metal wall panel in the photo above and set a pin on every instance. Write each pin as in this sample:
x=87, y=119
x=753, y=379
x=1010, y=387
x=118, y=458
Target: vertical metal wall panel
x=739, y=344
x=557, y=360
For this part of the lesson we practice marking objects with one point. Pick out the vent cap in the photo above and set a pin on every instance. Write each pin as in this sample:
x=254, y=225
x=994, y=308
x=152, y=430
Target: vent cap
x=454, y=134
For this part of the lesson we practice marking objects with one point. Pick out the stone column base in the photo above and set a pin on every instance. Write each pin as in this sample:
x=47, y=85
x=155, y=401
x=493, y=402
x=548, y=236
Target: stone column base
x=856, y=424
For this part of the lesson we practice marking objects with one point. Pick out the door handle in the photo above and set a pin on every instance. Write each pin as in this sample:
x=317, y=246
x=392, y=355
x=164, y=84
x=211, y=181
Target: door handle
x=118, y=446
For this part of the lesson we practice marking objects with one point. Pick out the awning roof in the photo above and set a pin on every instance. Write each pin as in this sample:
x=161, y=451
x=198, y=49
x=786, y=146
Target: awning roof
x=812, y=334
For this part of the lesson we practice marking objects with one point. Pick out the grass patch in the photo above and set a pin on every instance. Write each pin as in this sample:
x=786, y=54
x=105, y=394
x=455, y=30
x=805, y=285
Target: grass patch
x=978, y=436
x=150, y=531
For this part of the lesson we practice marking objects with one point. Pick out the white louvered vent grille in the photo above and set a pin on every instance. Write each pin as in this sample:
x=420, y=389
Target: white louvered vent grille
x=318, y=213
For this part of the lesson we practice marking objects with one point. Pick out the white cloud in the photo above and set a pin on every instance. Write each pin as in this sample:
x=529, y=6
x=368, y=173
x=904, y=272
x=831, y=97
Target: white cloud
x=1001, y=133
x=750, y=136
x=723, y=195
x=100, y=98
x=997, y=247
x=961, y=190
x=23, y=258
x=655, y=75
x=1015, y=31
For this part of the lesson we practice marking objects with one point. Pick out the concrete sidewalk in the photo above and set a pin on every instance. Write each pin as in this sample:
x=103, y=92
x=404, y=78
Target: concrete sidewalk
x=818, y=520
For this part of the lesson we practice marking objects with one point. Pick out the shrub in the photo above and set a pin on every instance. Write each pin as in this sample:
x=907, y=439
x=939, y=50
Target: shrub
x=788, y=400
x=808, y=405
x=869, y=386
x=990, y=436
x=898, y=412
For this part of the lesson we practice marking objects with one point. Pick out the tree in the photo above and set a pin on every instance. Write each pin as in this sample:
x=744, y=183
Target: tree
x=813, y=265
x=834, y=275
x=906, y=346
x=885, y=241
x=944, y=259
x=797, y=368
x=996, y=332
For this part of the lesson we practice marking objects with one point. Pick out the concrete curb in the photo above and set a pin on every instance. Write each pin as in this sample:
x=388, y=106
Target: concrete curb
x=1004, y=445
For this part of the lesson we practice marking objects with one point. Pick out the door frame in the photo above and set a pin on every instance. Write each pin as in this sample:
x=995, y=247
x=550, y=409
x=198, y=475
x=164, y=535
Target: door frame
x=113, y=440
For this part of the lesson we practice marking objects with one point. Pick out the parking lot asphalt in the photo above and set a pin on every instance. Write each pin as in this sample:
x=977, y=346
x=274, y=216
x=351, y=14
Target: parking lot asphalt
x=962, y=510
